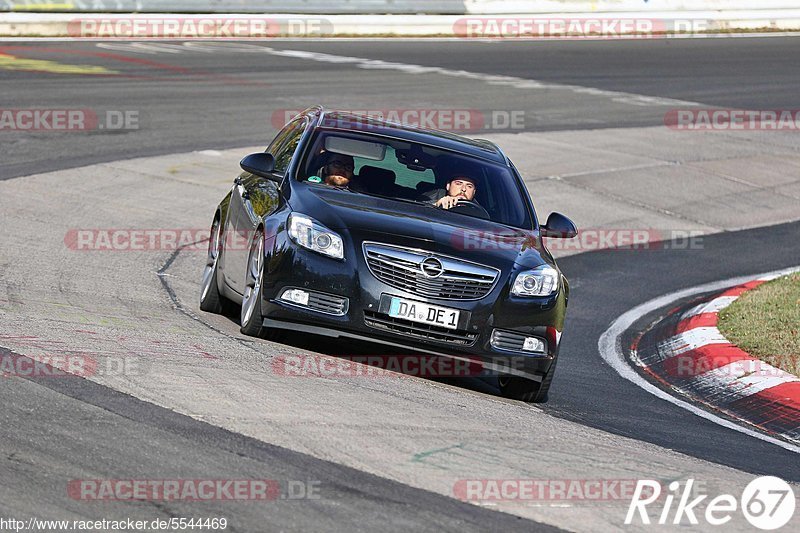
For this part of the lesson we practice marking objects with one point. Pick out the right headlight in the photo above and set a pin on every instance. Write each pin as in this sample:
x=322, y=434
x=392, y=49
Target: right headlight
x=541, y=281
x=310, y=234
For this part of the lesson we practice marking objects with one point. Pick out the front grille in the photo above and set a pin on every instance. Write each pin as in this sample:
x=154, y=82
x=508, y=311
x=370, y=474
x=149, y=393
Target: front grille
x=422, y=331
x=415, y=271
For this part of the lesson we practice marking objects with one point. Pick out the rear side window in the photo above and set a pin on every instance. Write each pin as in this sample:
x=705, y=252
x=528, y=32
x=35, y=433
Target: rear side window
x=404, y=176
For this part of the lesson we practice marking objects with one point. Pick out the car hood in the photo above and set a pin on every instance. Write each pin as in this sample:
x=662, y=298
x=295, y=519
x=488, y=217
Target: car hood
x=370, y=218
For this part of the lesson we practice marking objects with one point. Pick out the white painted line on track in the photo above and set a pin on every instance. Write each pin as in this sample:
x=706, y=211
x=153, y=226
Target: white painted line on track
x=153, y=48
x=491, y=79
x=610, y=347
x=769, y=277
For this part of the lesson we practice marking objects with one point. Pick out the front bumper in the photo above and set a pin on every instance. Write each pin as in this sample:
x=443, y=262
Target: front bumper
x=365, y=318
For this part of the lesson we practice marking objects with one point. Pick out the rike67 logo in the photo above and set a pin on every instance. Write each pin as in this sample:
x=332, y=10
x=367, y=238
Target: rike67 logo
x=767, y=503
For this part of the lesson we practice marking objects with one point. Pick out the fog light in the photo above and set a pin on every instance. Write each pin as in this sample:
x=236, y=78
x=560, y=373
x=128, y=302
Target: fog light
x=532, y=344
x=514, y=341
x=295, y=295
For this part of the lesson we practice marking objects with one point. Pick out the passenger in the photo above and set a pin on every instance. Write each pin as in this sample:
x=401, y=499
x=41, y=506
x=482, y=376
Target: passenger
x=338, y=170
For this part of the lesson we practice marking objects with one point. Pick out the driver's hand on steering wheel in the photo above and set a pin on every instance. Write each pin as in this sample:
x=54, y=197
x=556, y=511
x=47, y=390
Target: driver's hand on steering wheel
x=447, y=202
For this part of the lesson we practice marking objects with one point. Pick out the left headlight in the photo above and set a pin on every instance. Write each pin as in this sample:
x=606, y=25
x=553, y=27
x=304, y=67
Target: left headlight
x=310, y=234
x=541, y=281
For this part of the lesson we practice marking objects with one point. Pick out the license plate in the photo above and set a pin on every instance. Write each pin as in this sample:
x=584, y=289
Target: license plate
x=424, y=313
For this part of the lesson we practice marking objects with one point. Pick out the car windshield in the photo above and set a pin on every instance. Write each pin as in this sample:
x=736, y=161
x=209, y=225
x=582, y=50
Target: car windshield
x=405, y=171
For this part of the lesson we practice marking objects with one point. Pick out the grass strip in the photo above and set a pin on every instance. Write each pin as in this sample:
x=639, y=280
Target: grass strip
x=765, y=322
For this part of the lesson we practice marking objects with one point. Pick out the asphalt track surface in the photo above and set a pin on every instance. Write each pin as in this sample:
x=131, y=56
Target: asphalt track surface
x=195, y=101
x=94, y=421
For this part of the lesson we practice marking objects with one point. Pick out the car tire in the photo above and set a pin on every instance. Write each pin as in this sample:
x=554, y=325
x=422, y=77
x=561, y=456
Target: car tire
x=251, y=318
x=211, y=300
x=528, y=390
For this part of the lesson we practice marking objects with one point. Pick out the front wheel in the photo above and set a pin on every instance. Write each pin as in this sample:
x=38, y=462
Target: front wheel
x=528, y=390
x=251, y=319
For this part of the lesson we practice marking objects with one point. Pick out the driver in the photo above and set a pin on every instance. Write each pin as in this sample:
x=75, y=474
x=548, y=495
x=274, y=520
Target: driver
x=460, y=187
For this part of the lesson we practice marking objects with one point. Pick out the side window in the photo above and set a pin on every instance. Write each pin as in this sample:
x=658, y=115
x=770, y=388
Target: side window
x=284, y=145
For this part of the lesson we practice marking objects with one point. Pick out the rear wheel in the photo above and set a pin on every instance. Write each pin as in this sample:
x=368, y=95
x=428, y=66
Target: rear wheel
x=528, y=390
x=210, y=298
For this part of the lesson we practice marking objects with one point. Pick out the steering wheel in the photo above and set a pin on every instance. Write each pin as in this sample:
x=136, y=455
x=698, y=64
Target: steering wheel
x=470, y=207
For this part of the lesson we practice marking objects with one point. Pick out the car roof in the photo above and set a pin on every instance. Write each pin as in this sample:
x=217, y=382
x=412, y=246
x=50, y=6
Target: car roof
x=345, y=121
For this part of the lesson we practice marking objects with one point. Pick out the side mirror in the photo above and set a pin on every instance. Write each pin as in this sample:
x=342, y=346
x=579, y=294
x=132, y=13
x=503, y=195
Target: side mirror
x=560, y=227
x=261, y=164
